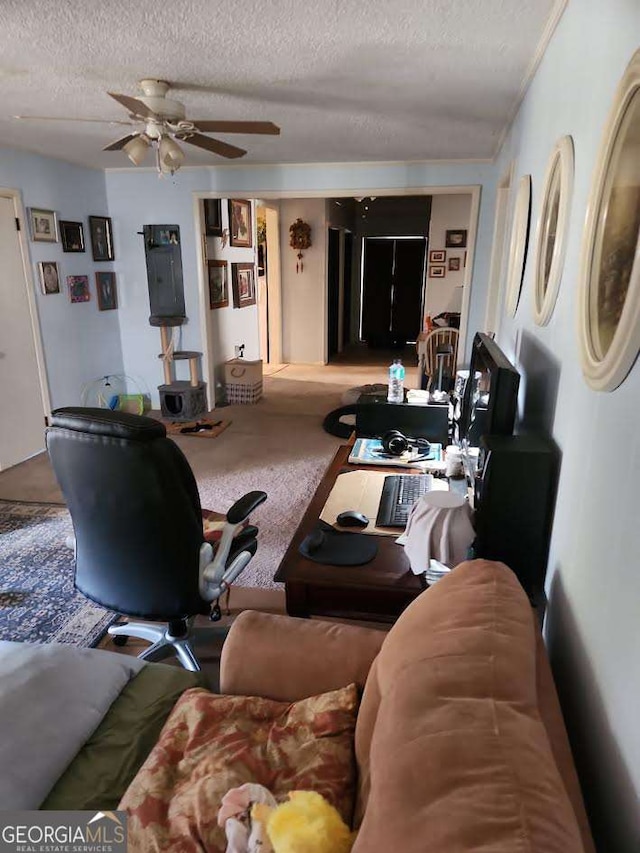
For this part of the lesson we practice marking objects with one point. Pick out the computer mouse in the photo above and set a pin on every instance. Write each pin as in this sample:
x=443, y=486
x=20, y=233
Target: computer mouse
x=352, y=518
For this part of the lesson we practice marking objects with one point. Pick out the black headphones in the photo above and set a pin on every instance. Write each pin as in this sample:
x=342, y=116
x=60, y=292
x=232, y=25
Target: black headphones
x=395, y=443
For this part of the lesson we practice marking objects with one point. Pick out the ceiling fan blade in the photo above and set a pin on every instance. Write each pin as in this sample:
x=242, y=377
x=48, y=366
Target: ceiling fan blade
x=120, y=143
x=69, y=118
x=267, y=127
x=214, y=145
x=133, y=105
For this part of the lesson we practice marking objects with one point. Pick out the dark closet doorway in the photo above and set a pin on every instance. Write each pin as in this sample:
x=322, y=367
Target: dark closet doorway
x=347, y=288
x=339, y=289
x=333, y=282
x=393, y=290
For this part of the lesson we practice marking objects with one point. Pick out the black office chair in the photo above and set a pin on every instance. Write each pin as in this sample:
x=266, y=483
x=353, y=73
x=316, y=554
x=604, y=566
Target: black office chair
x=139, y=543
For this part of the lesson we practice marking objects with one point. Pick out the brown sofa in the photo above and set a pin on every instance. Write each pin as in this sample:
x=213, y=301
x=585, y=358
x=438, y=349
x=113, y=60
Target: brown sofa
x=460, y=741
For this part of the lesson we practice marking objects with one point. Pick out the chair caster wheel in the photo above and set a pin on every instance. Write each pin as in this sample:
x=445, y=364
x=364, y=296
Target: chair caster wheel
x=120, y=640
x=216, y=613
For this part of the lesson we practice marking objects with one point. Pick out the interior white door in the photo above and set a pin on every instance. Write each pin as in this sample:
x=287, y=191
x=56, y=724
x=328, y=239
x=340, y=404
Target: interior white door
x=21, y=403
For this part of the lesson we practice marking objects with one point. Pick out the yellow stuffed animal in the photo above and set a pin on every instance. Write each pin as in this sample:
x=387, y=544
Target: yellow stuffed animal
x=307, y=823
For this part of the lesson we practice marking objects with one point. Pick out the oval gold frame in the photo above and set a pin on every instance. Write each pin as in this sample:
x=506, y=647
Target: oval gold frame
x=608, y=372
x=545, y=294
x=518, y=244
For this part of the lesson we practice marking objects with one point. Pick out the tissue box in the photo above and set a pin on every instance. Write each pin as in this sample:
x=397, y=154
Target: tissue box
x=243, y=380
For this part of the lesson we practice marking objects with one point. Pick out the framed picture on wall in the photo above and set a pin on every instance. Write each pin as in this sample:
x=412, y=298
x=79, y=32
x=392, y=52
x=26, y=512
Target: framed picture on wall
x=106, y=290
x=218, y=284
x=78, y=288
x=240, y=224
x=437, y=271
x=101, y=238
x=456, y=238
x=244, y=285
x=454, y=264
x=49, y=276
x=437, y=256
x=44, y=225
x=72, y=236
x=212, y=217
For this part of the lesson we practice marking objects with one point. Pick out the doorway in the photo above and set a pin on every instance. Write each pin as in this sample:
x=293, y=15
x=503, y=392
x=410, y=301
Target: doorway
x=23, y=394
x=339, y=272
x=333, y=291
x=393, y=277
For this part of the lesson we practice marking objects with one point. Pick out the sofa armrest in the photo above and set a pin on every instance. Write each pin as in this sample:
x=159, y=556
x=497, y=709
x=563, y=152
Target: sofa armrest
x=287, y=659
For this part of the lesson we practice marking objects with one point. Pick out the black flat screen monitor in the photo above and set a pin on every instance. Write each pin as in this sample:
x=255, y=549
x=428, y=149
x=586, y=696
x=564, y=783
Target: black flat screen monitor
x=490, y=399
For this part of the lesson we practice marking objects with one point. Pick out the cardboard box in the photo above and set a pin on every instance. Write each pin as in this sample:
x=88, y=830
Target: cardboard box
x=243, y=380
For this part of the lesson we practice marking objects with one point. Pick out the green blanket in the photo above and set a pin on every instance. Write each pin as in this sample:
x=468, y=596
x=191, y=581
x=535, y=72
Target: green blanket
x=103, y=769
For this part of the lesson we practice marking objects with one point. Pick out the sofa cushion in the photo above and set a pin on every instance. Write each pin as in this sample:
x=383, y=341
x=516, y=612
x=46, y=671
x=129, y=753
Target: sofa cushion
x=213, y=743
x=451, y=747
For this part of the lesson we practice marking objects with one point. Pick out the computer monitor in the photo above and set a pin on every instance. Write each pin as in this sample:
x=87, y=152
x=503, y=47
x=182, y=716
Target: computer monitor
x=490, y=398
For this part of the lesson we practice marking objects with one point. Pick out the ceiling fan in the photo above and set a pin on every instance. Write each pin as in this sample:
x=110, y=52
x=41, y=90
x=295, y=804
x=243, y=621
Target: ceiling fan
x=164, y=121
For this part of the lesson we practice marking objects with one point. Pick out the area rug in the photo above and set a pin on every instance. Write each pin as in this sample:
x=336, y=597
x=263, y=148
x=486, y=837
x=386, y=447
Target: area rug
x=38, y=602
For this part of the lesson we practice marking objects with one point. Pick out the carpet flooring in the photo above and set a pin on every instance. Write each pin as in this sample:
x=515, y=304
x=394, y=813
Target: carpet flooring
x=38, y=603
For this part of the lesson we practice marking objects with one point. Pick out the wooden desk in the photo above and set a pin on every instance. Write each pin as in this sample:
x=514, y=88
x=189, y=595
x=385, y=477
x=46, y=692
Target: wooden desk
x=378, y=591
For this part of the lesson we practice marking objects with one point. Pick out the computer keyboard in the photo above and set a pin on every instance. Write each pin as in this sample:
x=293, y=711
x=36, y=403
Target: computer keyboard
x=399, y=493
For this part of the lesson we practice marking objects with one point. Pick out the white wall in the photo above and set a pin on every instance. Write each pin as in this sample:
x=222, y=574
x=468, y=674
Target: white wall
x=447, y=212
x=80, y=343
x=304, y=294
x=230, y=327
x=594, y=568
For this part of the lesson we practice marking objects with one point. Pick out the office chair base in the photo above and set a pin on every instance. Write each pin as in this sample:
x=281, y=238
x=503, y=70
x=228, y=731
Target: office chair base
x=163, y=643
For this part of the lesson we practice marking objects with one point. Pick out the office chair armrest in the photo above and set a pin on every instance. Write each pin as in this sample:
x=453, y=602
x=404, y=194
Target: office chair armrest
x=242, y=509
x=286, y=659
x=213, y=572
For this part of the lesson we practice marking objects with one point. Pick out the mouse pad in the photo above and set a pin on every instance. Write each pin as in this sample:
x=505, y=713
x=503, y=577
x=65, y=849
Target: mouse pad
x=333, y=548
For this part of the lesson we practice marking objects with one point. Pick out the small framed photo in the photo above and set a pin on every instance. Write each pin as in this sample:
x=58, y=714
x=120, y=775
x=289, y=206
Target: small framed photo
x=456, y=238
x=49, y=276
x=78, y=288
x=71, y=236
x=101, y=238
x=437, y=256
x=437, y=271
x=212, y=217
x=244, y=285
x=454, y=264
x=44, y=225
x=106, y=290
x=240, y=225
x=218, y=284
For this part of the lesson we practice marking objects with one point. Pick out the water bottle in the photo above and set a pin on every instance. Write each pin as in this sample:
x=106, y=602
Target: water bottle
x=396, y=382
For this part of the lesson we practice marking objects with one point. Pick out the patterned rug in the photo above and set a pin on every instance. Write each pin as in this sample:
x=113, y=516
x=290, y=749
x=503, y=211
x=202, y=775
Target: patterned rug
x=38, y=602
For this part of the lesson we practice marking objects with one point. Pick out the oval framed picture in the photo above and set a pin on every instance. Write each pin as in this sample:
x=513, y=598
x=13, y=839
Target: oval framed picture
x=609, y=299
x=518, y=244
x=551, y=235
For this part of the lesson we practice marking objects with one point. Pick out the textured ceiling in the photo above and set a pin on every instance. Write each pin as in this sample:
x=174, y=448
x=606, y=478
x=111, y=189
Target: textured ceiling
x=346, y=80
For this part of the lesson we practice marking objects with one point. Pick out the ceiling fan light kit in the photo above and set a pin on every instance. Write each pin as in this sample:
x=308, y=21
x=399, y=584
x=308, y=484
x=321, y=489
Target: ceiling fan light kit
x=170, y=155
x=137, y=148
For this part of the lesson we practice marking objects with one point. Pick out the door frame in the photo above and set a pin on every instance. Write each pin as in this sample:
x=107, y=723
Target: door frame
x=474, y=190
x=19, y=212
